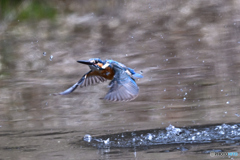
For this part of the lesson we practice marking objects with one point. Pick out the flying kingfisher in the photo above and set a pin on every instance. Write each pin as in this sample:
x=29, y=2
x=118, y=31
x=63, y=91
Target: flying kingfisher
x=122, y=86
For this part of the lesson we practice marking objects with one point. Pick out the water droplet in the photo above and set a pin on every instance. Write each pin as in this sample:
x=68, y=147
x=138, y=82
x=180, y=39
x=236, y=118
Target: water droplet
x=221, y=90
x=166, y=59
x=199, y=40
x=51, y=58
x=234, y=126
x=202, y=61
x=87, y=138
x=44, y=53
x=164, y=90
x=237, y=115
x=106, y=141
x=184, y=98
x=133, y=139
x=185, y=93
x=227, y=102
x=178, y=73
x=170, y=127
x=149, y=136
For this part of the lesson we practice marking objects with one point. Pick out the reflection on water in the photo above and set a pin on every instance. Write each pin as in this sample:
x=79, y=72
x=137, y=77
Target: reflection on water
x=188, y=52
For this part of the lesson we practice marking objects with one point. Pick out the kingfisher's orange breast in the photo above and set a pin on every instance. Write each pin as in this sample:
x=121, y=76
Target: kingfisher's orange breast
x=107, y=73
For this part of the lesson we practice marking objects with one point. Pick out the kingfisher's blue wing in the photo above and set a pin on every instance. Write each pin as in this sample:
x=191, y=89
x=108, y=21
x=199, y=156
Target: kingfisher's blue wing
x=69, y=90
x=90, y=80
x=87, y=79
x=122, y=88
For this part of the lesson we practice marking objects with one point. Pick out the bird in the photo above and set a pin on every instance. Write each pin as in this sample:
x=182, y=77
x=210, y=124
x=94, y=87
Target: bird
x=123, y=86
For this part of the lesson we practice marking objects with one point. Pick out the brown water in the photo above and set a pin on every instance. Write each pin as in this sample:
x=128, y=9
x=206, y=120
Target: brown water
x=188, y=52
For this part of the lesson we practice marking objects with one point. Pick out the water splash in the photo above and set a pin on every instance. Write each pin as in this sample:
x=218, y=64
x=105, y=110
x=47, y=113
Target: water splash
x=170, y=135
x=87, y=138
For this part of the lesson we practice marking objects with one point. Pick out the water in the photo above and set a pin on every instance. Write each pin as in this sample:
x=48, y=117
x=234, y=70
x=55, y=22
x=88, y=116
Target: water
x=188, y=104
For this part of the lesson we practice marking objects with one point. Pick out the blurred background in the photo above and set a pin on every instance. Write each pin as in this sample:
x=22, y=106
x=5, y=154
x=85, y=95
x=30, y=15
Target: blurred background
x=187, y=50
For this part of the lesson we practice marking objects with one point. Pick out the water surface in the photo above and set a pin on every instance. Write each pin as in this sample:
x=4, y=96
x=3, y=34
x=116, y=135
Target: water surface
x=188, y=53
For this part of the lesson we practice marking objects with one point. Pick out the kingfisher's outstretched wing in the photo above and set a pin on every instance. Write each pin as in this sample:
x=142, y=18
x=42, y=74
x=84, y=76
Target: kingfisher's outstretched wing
x=90, y=78
x=86, y=80
x=122, y=88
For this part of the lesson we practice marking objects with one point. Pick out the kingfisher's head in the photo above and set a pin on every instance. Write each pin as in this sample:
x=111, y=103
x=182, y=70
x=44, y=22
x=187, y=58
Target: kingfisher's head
x=95, y=63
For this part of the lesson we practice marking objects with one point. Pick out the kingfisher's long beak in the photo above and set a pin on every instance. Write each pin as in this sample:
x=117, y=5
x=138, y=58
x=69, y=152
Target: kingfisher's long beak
x=85, y=62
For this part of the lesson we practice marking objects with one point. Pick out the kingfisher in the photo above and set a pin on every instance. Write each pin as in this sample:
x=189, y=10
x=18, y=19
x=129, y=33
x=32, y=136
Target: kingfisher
x=123, y=86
